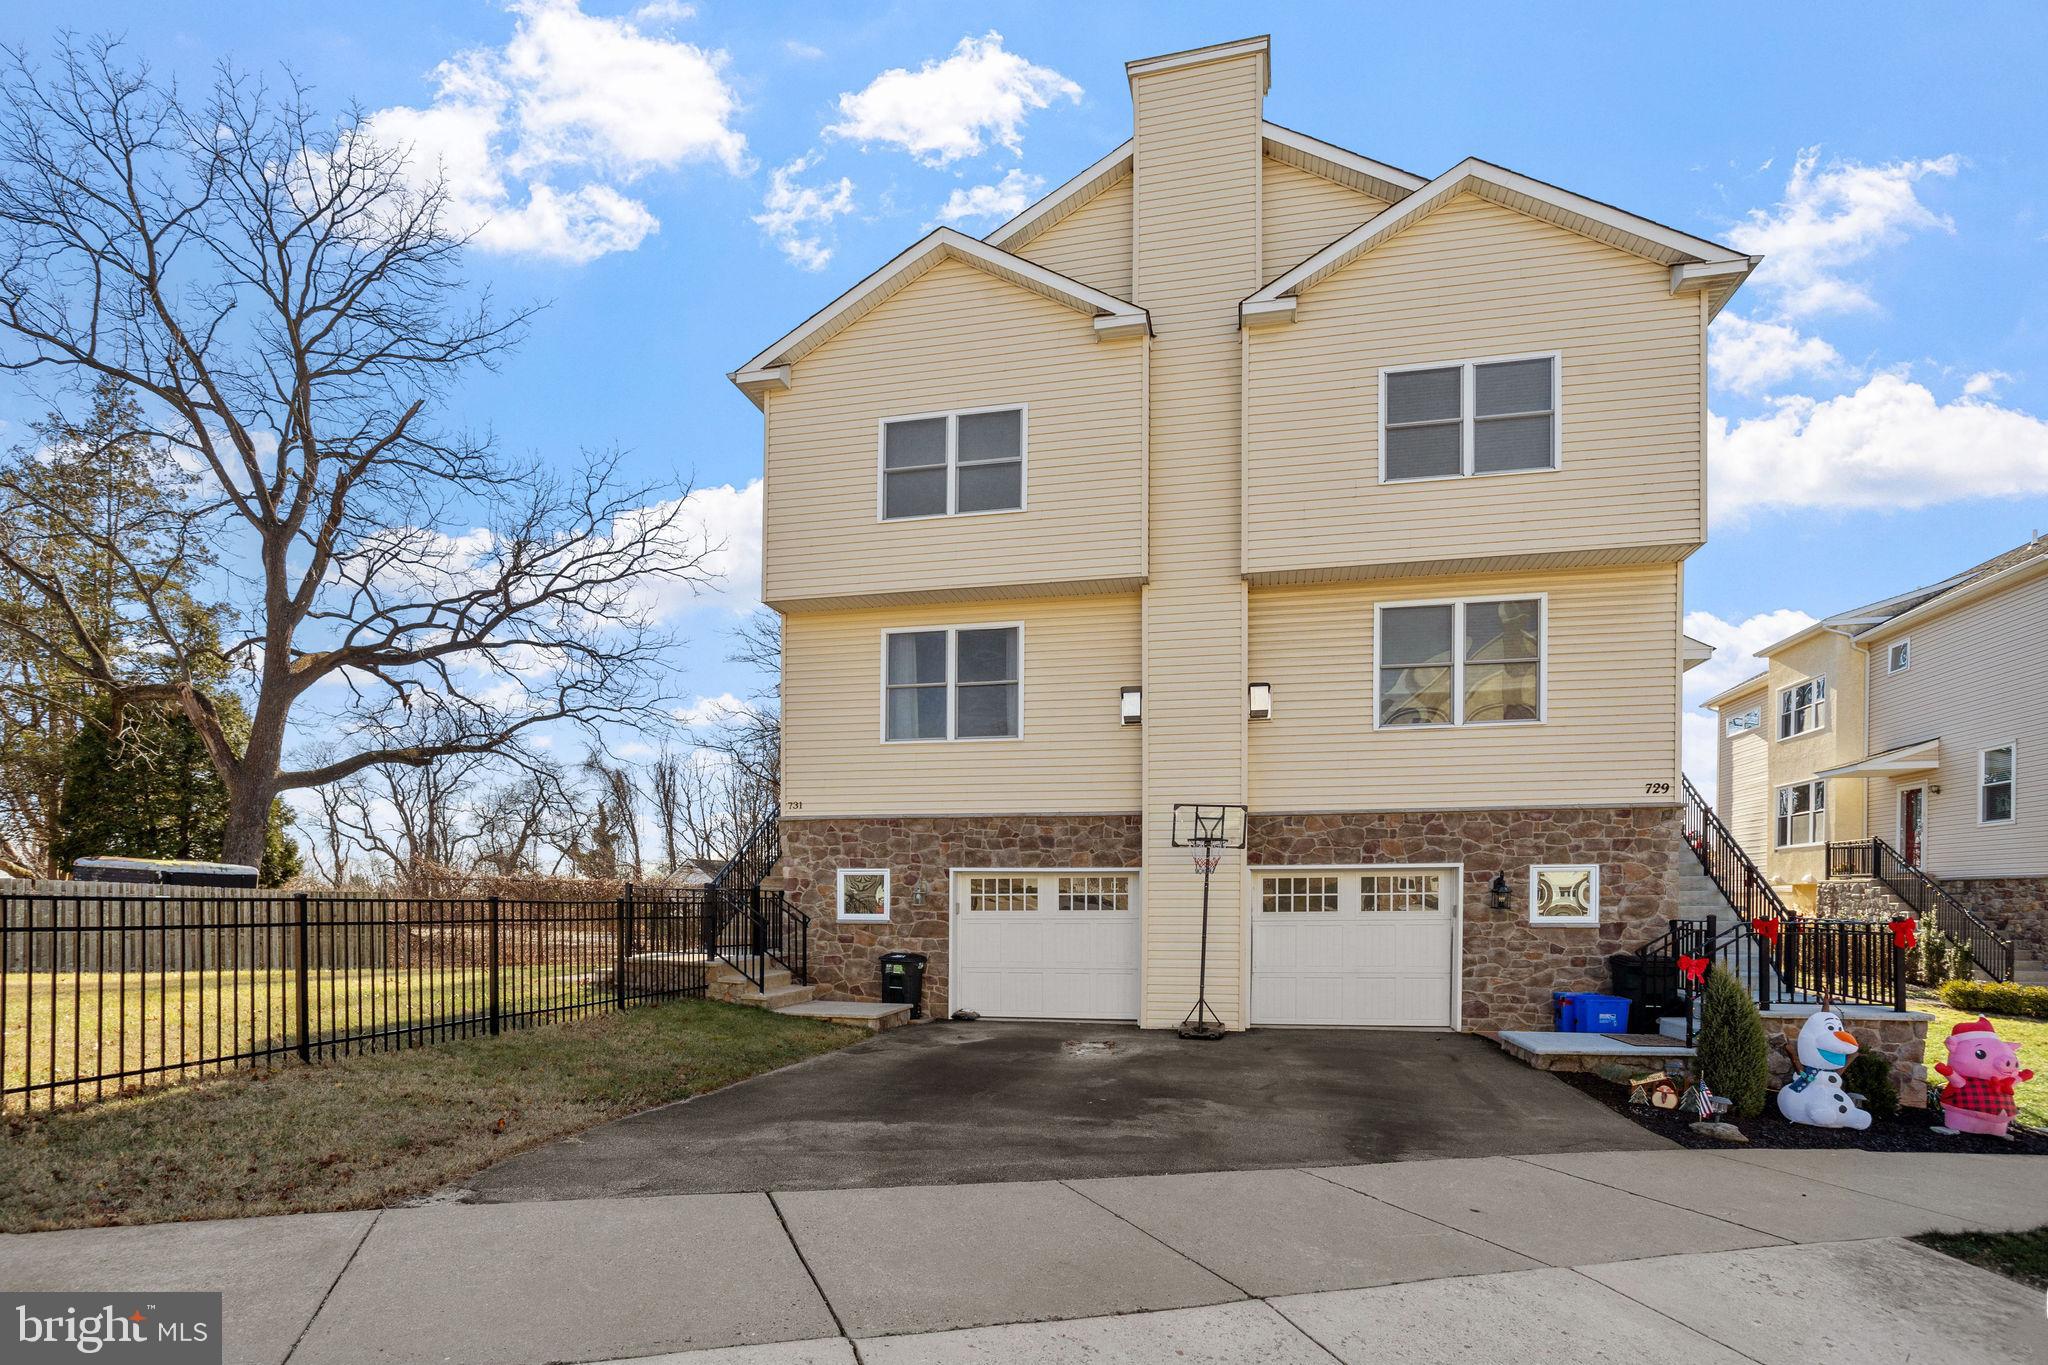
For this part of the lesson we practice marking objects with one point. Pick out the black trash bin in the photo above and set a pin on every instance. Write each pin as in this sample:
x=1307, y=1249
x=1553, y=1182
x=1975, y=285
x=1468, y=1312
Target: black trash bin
x=903, y=981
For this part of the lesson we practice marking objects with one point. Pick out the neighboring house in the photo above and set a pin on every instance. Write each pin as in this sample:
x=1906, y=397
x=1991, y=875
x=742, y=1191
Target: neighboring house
x=1921, y=720
x=1246, y=469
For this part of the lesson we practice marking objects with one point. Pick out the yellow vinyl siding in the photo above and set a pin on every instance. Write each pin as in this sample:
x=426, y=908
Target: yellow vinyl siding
x=1074, y=756
x=1743, y=778
x=1196, y=165
x=1978, y=680
x=1799, y=758
x=1092, y=244
x=1470, y=281
x=957, y=338
x=1302, y=213
x=1612, y=690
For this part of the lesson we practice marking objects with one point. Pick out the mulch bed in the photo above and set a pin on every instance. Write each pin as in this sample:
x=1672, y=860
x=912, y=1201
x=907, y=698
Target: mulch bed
x=1911, y=1131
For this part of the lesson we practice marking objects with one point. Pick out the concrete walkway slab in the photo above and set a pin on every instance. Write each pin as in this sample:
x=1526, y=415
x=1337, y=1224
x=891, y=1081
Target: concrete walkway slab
x=1532, y=1317
x=1289, y=1232
x=1842, y=1303
x=1228, y=1334
x=486, y=1285
x=929, y=1258
x=825, y=1351
x=2008, y=1193
x=1755, y=1195
x=1556, y=1218
x=271, y=1273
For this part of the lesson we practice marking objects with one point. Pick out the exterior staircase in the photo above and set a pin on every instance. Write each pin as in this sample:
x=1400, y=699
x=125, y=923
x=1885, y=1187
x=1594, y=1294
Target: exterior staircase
x=2029, y=970
x=779, y=991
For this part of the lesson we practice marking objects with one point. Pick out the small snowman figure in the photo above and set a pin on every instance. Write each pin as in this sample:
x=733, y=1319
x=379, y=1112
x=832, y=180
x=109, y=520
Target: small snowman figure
x=1814, y=1095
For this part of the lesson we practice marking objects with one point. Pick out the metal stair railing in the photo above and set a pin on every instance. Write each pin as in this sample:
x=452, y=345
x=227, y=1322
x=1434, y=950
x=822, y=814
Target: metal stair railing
x=751, y=927
x=1989, y=949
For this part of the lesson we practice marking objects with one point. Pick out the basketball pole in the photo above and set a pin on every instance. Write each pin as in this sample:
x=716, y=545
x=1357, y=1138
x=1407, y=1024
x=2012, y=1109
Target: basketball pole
x=1195, y=1025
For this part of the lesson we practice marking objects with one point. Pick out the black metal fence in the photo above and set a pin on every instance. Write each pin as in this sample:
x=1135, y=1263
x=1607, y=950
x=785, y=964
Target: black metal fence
x=1930, y=902
x=102, y=992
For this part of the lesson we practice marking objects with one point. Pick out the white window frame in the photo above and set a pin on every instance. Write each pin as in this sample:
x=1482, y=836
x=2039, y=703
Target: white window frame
x=953, y=416
x=1752, y=727
x=1898, y=656
x=1818, y=813
x=953, y=683
x=1458, y=721
x=1819, y=682
x=1048, y=888
x=1569, y=921
x=1468, y=402
x=2012, y=780
x=839, y=896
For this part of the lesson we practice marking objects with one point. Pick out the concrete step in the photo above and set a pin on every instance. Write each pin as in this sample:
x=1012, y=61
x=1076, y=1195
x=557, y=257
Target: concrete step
x=775, y=998
x=857, y=1013
x=723, y=973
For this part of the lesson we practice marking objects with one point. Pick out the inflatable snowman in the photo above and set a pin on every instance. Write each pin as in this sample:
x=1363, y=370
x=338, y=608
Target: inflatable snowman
x=1814, y=1095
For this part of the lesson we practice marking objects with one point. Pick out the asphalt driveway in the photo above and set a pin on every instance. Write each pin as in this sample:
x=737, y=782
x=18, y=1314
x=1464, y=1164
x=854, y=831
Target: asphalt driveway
x=953, y=1103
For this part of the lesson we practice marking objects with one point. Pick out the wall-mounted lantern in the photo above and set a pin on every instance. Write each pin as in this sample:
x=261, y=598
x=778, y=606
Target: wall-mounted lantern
x=1131, y=708
x=1260, y=697
x=1503, y=895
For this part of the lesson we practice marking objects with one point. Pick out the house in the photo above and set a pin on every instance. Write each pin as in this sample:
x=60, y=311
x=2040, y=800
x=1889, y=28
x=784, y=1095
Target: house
x=1243, y=469
x=1920, y=721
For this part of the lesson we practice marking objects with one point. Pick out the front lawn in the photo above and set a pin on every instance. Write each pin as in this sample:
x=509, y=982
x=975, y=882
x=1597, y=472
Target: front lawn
x=2022, y=1256
x=367, y=1131
x=2030, y=1034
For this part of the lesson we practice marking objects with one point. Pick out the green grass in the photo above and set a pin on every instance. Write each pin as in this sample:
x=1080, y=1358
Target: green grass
x=366, y=1131
x=2030, y=1034
x=2021, y=1256
x=79, y=1023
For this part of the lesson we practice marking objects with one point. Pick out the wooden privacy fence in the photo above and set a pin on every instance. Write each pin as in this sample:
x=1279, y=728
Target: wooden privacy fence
x=109, y=989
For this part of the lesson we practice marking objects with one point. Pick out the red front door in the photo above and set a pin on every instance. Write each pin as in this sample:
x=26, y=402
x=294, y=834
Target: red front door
x=1912, y=814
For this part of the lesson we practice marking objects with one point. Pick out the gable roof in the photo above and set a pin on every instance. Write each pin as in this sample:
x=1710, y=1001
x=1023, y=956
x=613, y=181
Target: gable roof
x=1740, y=690
x=1695, y=262
x=1114, y=317
x=2018, y=564
x=1311, y=154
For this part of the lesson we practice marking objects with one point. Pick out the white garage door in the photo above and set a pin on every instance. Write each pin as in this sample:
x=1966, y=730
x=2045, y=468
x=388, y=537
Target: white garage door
x=1046, y=945
x=1354, y=946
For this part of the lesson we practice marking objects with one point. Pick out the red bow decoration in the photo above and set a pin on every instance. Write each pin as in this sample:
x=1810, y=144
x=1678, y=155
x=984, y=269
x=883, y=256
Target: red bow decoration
x=1767, y=928
x=1693, y=969
x=1905, y=932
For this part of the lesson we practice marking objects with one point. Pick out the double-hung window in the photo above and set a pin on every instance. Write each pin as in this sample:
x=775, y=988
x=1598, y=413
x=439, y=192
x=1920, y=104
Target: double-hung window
x=1803, y=707
x=959, y=683
x=951, y=463
x=1802, y=814
x=1470, y=417
x=1477, y=662
x=1994, y=785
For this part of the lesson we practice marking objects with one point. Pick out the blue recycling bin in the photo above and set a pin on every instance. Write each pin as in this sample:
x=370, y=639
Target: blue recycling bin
x=1590, y=1012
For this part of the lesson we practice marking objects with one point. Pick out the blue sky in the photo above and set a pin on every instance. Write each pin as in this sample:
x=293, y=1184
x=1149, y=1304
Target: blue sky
x=683, y=183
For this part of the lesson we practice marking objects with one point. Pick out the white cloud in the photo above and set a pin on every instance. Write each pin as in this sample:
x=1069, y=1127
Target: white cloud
x=1004, y=199
x=1735, y=646
x=709, y=710
x=805, y=52
x=535, y=138
x=1889, y=444
x=664, y=11
x=950, y=109
x=1751, y=357
x=1984, y=383
x=1832, y=218
x=793, y=214
x=719, y=515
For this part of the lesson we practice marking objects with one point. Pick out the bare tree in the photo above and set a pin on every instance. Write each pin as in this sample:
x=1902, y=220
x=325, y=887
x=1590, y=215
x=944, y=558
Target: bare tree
x=749, y=735
x=618, y=809
x=280, y=292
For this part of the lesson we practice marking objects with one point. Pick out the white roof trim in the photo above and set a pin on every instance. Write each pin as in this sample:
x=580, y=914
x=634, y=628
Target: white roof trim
x=1602, y=222
x=1949, y=600
x=1215, y=52
x=1068, y=196
x=1924, y=756
x=1741, y=689
x=1693, y=652
x=770, y=369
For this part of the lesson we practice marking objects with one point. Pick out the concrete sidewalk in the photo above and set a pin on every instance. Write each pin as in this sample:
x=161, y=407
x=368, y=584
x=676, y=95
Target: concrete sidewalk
x=1622, y=1256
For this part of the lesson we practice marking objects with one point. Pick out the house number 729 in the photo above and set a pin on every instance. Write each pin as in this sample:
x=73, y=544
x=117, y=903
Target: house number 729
x=1657, y=789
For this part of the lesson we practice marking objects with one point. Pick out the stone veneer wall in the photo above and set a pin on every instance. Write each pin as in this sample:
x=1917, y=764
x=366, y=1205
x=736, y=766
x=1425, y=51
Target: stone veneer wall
x=920, y=853
x=2015, y=906
x=1859, y=898
x=1511, y=966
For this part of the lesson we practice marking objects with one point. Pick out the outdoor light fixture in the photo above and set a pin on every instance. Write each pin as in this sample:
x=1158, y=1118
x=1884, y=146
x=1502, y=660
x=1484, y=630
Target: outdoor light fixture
x=1501, y=892
x=1261, y=701
x=1133, y=706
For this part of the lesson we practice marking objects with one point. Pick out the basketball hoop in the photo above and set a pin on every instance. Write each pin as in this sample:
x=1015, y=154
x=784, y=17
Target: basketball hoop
x=1207, y=830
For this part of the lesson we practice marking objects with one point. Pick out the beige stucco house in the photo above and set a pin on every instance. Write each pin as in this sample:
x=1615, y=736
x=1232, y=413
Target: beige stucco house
x=1243, y=468
x=1920, y=720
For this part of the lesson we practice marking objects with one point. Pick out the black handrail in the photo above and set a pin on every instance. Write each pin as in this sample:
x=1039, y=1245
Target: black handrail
x=1746, y=888
x=1990, y=950
x=755, y=927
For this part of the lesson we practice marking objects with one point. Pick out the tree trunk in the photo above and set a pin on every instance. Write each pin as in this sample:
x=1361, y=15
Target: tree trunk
x=248, y=823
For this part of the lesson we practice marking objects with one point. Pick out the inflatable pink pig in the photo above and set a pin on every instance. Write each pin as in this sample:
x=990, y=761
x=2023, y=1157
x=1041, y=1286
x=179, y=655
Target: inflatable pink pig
x=1982, y=1070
